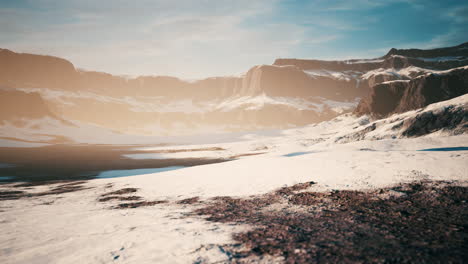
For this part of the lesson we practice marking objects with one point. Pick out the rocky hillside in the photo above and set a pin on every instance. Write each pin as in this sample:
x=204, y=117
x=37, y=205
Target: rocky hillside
x=448, y=117
x=289, y=93
x=399, y=96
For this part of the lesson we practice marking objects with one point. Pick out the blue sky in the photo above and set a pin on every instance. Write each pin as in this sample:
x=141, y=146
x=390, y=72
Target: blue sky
x=197, y=39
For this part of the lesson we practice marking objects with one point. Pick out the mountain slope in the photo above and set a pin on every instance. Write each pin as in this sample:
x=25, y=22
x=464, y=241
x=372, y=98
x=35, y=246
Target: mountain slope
x=399, y=96
x=289, y=93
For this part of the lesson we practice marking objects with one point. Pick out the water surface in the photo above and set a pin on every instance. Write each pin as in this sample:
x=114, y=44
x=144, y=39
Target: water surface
x=446, y=149
x=293, y=154
x=134, y=172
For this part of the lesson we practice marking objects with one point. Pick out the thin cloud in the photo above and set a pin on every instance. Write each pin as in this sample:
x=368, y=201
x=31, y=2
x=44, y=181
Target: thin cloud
x=195, y=39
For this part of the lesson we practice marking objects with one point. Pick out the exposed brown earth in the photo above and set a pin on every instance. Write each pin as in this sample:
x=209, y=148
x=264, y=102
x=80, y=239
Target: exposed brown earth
x=9, y=194
x=138, y=204
x=117, y=195
x=120, y=198
x=294, y=188
x=191, y=200
x=420, y=222
x=66, y=188
x=121, y=191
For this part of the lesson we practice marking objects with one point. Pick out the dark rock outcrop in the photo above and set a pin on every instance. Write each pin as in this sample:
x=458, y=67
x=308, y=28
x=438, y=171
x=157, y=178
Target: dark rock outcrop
x=384, y=98
x=434, y=88
x=401, y=96
x=454, y=119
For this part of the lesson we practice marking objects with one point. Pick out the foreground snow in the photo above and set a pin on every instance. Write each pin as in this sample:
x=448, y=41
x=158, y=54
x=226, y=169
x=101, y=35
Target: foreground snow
x=75, y=227
x=359, y=165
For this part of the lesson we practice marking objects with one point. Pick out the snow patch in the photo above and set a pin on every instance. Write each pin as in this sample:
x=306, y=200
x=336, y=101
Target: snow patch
x=443, y=59
x=342, y=76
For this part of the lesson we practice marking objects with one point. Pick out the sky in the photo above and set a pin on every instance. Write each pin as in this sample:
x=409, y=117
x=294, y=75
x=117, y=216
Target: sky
x=199, y=39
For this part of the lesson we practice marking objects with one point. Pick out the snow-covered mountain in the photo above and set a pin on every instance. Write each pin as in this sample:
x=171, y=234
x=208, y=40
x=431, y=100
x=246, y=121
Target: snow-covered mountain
x=287, y=94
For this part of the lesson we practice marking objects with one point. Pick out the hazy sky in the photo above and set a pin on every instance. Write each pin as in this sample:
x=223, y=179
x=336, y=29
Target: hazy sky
x=195, y=39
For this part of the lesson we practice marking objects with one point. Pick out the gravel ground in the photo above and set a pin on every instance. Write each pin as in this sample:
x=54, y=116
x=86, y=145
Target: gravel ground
x=419, y=222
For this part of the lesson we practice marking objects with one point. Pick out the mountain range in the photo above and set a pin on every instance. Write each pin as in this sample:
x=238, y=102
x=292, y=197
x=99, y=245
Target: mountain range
x=41, y=91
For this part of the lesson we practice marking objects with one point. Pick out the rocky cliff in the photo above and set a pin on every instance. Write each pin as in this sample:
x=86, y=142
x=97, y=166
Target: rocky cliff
x=292, y=81
x=27, y=70
x=400, y=96
x=17, y=105
x=19, y=70
x=288, y=93
x=22, y=70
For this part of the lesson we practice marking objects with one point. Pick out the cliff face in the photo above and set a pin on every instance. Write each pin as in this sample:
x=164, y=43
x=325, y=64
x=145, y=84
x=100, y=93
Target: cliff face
x=292, y=81
x=401, y=96
x=434, y=88
x=286, y=77
x=412, y=78
x=21, y=70
x=27, y=70
x=18, y=70
x=383, y=99
x=275, y=81
x=288, y=93
x=16, y=105
x=267, y=96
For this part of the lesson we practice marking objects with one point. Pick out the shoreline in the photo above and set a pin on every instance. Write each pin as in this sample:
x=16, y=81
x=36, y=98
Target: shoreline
x=81, y=162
